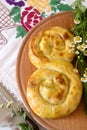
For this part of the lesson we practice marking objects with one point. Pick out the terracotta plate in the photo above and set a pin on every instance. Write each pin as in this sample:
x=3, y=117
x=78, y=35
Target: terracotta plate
x=77, y=120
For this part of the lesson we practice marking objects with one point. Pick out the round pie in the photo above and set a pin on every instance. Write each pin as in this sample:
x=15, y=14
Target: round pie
x=50, y=44
x=54, y=90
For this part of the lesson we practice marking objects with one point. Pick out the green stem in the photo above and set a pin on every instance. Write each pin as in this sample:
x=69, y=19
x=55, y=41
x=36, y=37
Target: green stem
x=82, y=65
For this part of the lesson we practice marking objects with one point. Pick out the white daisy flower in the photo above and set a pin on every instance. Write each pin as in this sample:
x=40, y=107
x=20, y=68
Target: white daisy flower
x=84, y=45
x=76, y=21
x=72, y=44
x=77, y=52
x=85, y=74
x=86, y=41
x=81, y=47
x=84, y=79
x=85, y=52
x=77, y=39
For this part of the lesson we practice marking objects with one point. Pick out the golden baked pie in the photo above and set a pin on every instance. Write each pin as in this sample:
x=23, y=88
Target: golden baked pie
x=50, y=44
x=54, y=90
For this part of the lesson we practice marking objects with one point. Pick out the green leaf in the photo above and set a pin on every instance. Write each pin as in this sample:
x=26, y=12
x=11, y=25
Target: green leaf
x=14, y=10
x=54, y=2
x=15, y=14
x=24, y=116
x=21, y=32
x=85, y=97
x=14, y=113
x=64, y=7
x=54, y=8
x=23, y=126
x=77, y=3
x=16, y=18
x=80, y=13
x=82, y=65
x=43, y=14
x=57, y=5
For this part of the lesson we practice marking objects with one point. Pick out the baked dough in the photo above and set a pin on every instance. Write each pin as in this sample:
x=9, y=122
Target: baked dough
x=54, y=90
x=50, y=44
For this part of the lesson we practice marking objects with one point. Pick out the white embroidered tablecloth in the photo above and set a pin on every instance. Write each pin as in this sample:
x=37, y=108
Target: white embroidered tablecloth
x=17, y=17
